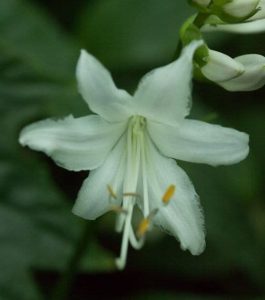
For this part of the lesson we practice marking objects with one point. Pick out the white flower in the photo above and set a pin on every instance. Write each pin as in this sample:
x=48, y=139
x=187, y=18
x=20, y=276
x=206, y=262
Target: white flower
x=130, y=146
x=243, y=73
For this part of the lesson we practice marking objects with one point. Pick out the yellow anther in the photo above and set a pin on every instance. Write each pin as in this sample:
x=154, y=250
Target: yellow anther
x=143, y=227
x=118, y=209
x=111, y=192
x=169, y=194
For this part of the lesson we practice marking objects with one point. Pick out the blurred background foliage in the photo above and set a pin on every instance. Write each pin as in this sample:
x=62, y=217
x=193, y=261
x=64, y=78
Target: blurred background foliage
x=42, y=245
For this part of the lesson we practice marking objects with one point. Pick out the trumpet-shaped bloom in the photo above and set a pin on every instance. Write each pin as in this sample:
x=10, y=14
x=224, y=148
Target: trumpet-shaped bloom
x=130, y=145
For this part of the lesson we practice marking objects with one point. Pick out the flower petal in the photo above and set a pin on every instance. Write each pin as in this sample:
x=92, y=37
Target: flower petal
x=165, y=93
x=199, y=142
x=99, y=91
x=74, y=144
x=182, y=216
x=93, y=198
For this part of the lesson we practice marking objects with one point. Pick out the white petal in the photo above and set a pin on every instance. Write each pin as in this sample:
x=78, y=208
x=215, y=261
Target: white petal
x=257, y=26
x=93, y=198
x=165, y=93
x=75, y=144
x=99, y=91
x=199, y=142
x=252, y=78
x=182, y=217
x=221, y=67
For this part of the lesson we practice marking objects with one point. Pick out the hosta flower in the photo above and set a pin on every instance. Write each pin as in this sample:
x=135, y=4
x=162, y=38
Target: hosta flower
x=130, y=145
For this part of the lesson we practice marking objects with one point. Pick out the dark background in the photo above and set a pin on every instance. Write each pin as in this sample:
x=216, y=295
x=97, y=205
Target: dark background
x=45, y=251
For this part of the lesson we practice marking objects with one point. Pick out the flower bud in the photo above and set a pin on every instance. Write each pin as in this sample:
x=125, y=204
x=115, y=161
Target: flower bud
x=252, y=78
x=221, y=67
x=254, y=24
x=240, y=9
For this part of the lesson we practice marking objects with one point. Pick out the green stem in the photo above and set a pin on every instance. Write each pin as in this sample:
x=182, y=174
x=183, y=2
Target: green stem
x=200, y=19
x=64, y=285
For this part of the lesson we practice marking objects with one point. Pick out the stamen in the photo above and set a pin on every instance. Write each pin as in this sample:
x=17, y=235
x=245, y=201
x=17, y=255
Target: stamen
x=111, y=192
x=169, y=194
x=129, y=195
x=120, y=262
x=136, y=243
x=145, y=223
x=118, y=209
x=153, y=213
x=143, y=227
x=144, y=177
x=120, y=222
